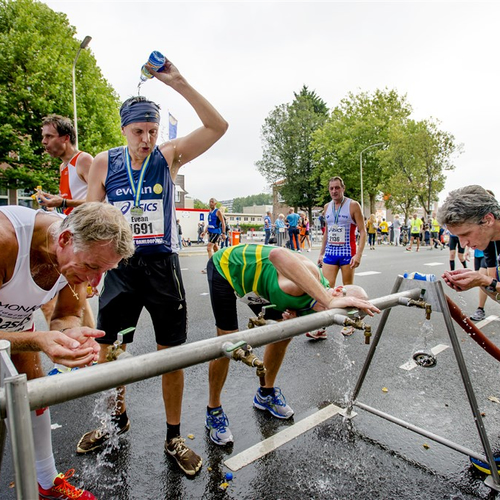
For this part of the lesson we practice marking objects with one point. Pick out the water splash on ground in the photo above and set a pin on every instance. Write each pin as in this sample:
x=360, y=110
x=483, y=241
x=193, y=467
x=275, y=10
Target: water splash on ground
x=101, y=466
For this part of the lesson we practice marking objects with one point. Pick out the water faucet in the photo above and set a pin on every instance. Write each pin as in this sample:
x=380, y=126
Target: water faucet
x=241, y=351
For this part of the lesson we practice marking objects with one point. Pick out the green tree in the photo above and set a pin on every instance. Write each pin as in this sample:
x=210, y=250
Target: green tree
x=37, y=50
x=359, y=121
x=286, y=136
x=200, y=205
x=417, y=159
x=248, y=201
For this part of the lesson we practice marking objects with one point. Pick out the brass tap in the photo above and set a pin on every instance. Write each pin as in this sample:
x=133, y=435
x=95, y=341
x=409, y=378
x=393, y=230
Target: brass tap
x=247, y=356
x=428, y=310
x=260, y=320
x=355, y=322
x=244, y=352
x=368, y=334
x=421, y=304
x=115, y=350
x=256, y=321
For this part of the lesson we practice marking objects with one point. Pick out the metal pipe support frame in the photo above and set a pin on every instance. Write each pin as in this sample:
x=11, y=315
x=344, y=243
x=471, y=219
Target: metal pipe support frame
x=48, y=391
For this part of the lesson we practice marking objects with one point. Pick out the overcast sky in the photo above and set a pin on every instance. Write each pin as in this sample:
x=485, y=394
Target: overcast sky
x=247, y=58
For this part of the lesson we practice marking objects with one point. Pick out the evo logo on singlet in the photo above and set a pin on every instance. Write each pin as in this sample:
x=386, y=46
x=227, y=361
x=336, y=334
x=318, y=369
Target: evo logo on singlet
x=128, y=192
x=145, y=205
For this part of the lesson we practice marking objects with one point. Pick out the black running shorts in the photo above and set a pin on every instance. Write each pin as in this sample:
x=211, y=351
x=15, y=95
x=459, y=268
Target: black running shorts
x=153, y=282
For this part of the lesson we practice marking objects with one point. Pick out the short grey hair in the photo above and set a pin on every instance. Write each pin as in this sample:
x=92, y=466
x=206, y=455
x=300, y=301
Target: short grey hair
x=96, y=222
x=468, y=204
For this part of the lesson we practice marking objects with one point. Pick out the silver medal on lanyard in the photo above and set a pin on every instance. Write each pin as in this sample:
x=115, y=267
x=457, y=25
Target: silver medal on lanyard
x=136, y=187
x=336, y=213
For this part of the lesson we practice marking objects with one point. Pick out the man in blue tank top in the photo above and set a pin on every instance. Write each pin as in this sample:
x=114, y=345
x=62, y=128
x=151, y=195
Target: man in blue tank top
x=216, y=229
x=139, y=178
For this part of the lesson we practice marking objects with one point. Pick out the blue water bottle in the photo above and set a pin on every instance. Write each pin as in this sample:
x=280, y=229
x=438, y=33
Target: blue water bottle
x=58, y=368
x=419, y=276
x=157, y=61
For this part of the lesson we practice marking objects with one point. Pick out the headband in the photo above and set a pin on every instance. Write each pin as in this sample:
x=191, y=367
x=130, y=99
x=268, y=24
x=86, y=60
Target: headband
x=140, y=111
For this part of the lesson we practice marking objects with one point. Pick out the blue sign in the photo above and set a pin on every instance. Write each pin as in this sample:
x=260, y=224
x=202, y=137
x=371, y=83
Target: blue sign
x=202, y=216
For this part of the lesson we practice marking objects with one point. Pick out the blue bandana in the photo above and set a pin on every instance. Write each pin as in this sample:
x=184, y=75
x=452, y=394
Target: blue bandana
x=138, y=112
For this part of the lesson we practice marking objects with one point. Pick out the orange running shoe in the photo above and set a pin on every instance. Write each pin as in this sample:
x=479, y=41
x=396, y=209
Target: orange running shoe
x=62, y=490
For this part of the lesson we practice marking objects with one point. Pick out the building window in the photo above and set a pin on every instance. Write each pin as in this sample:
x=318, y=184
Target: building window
x=4, y=197
x=24, y=198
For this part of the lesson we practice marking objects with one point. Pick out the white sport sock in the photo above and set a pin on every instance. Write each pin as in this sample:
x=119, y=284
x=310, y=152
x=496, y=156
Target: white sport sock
x=44, y=458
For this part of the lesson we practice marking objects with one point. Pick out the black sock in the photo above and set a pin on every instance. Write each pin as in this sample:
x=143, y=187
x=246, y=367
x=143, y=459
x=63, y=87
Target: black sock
x=267, y=391
x=210, y=409
x=121, y=420
x=464, y=263
x=482, y=308
x=452, y=265
x=173, y=431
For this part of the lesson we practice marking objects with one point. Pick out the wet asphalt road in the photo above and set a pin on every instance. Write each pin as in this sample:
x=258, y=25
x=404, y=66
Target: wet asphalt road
x=365, y=458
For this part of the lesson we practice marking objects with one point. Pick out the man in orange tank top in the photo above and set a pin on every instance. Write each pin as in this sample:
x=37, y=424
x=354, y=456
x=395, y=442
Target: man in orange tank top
x=59, y=140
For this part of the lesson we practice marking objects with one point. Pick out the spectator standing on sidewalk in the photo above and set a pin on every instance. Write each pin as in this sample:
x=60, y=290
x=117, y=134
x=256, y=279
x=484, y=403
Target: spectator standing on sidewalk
x=293, y=229
x=371, y=228
x=267, y=227
x=396, y=228
x=279, y=225
x=304, y=231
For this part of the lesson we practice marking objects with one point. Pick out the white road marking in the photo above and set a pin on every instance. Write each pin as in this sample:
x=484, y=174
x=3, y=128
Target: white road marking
x=487, y=320
x=270, y=444
x=435, y=264
x=55, y=426
x=368, y=273
x=409, y=365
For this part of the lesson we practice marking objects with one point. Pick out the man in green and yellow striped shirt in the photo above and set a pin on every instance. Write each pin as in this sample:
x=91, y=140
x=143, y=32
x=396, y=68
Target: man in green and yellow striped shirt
x=270, y=275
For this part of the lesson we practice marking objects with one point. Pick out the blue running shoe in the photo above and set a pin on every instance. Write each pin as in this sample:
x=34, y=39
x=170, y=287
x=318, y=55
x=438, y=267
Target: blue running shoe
x=274, y=404
x=483, y=466
x=218, y=425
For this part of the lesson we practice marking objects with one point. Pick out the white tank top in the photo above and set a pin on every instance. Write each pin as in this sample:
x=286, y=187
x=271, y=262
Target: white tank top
x=20, y=297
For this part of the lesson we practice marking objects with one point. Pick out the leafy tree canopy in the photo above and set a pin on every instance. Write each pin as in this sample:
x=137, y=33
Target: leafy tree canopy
x=200, y=205
x=249, y=201
x=37, y=50
x=359, y=121
x=418, y=158
x=286, y=137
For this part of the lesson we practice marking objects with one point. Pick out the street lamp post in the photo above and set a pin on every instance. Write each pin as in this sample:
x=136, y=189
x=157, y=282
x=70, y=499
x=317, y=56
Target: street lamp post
x=83, y=45
x=361, y=171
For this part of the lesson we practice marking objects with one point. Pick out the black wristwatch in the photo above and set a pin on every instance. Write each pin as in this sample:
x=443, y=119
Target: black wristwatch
x=492, y=287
